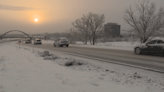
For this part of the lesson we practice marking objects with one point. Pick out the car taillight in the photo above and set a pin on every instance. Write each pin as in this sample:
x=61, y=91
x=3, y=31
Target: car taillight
x=60, y=41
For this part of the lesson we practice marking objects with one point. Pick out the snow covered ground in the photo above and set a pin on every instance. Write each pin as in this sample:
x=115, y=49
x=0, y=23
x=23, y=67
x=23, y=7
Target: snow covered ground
x=27, y=69
x=111, y=45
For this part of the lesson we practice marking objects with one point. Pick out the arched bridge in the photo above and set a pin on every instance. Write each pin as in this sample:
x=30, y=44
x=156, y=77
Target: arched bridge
x=2, y=36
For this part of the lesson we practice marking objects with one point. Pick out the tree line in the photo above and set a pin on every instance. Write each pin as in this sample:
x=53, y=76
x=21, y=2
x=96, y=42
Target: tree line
x=145, y=20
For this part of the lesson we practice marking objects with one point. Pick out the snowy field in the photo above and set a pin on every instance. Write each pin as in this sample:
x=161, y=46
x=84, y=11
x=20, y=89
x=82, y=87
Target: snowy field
x=27, y=69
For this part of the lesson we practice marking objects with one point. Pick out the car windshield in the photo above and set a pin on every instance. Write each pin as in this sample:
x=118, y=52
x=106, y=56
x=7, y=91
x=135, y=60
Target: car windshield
x=160, y=42
x=152, y=42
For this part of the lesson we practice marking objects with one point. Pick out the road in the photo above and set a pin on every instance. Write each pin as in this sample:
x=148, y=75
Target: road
x=126, y=58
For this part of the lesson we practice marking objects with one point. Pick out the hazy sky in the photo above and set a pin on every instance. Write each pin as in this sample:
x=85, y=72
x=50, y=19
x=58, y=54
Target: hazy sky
x=57, y=15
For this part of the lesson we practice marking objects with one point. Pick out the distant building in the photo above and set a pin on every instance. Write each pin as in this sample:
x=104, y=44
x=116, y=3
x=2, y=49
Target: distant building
x=112, y=30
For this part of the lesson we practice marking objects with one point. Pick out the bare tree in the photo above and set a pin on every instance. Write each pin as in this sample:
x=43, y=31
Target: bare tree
x=82, y=26
x=145, y=19
x=91, y=26
x=95, y=22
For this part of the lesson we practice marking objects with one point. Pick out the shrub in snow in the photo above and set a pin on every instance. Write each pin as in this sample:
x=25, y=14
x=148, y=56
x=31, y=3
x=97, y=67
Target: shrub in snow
x=46, y=53
x=136, y=75
x=43, y=54
x=47, y=57
x=79, y=62
x=71, y=62
x=54, y=56
x=68, y=63
x=106, y=70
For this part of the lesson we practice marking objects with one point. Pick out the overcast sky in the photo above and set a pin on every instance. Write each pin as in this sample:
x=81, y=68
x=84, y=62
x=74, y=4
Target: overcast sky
x=57, y=15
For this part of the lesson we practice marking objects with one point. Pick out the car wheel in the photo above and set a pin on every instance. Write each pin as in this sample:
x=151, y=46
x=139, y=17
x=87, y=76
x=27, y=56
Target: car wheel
x=67, y=45
x=54, y=45
x=138, y=51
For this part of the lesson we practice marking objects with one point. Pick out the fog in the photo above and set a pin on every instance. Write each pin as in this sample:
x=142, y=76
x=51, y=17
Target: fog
x=58, y=15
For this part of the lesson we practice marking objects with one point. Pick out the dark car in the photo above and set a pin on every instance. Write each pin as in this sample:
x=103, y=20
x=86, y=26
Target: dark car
x=150, y=47
x=28, y=41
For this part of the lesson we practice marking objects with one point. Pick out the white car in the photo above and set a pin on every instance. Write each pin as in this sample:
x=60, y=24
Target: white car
x=61, y=41
x=150, y=47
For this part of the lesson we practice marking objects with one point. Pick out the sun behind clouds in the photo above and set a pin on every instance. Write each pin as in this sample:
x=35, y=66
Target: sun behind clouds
x=36, y=20
x=37, y=17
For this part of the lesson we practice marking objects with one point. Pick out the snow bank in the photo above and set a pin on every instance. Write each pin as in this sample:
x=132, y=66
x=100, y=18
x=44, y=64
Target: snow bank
x=111, y=45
